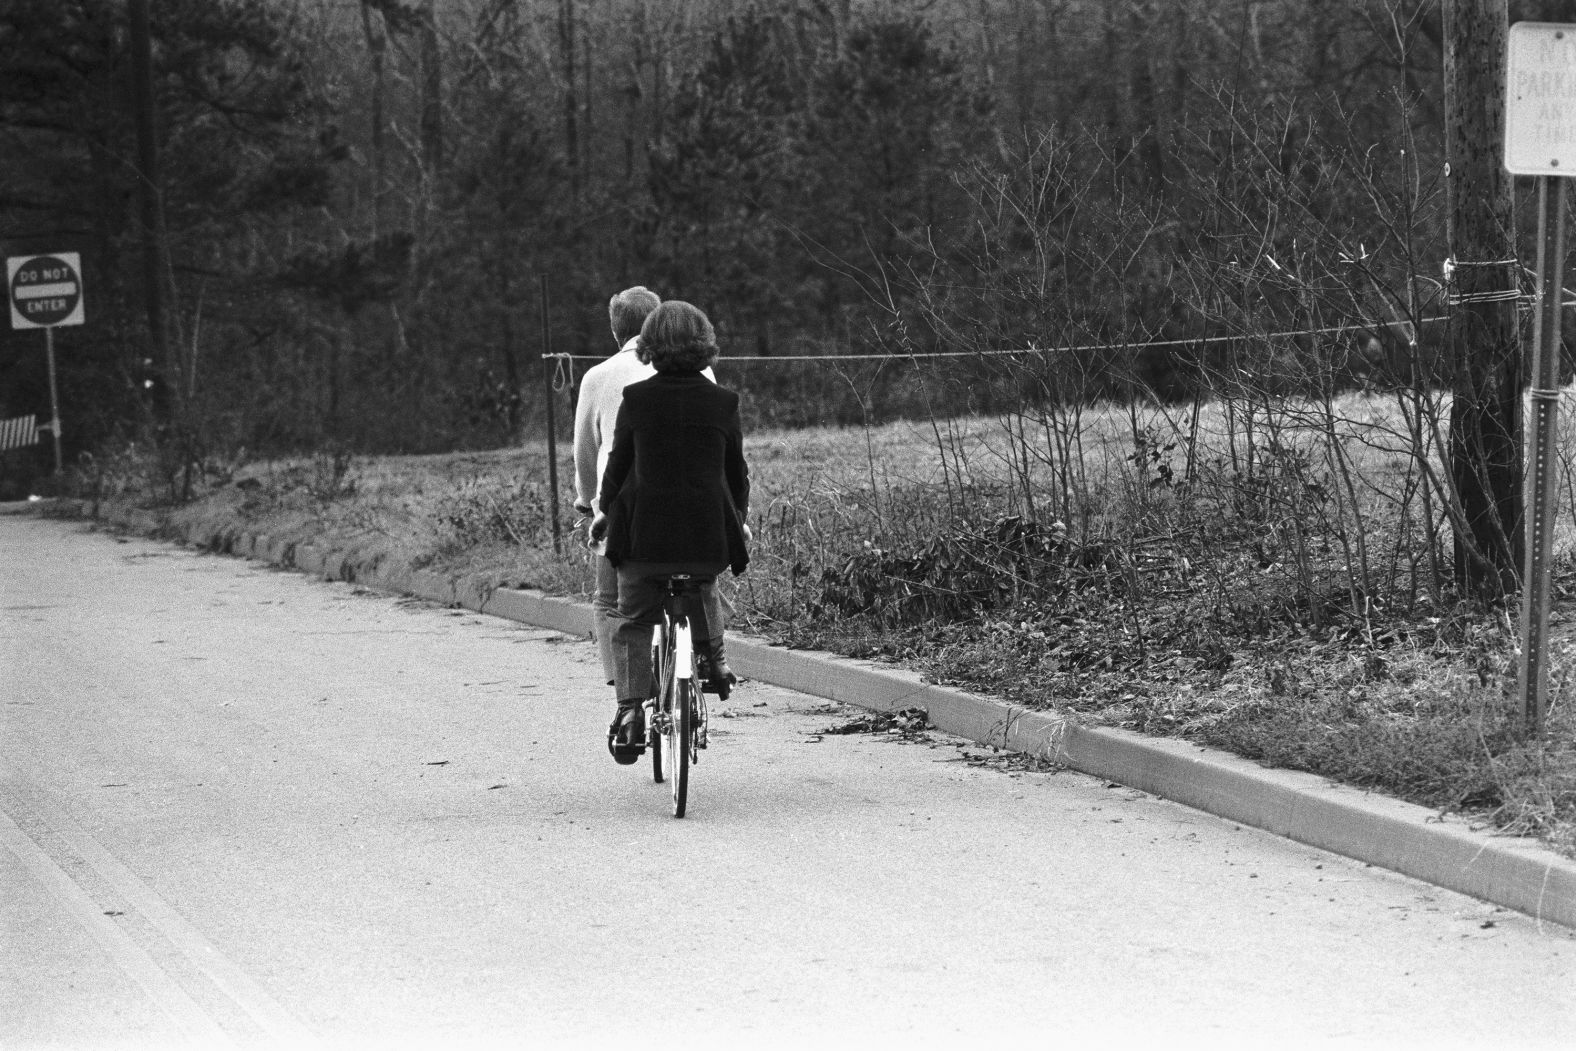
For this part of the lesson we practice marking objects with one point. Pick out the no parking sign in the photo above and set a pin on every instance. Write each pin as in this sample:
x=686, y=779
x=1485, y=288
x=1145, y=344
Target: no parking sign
x=1540, y=140
x=45, y=290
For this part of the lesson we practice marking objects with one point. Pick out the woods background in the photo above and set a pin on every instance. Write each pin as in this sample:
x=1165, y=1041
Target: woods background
x=364, y=200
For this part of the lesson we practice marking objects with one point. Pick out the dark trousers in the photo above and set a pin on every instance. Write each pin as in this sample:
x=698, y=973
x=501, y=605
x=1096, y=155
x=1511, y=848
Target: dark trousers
x=640, y=609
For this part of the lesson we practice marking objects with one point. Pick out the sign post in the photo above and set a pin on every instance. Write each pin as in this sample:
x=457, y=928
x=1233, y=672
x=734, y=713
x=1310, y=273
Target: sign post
x=45, y=291
x=1540, y=140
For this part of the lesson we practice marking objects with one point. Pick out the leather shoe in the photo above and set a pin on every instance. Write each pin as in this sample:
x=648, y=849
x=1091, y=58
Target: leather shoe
x=718, y=677
x=626, y=734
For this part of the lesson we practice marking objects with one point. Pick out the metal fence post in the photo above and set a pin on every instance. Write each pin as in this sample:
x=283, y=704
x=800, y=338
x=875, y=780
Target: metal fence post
x=1541, y=473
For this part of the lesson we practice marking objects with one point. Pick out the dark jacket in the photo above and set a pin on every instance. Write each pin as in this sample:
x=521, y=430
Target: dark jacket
x=676, y=488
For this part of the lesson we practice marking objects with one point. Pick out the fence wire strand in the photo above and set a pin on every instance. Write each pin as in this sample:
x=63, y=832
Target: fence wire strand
x=1032, y=350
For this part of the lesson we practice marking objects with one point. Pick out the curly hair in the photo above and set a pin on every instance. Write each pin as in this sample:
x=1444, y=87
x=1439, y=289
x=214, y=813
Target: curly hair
x=678, y=337
x=628, y=311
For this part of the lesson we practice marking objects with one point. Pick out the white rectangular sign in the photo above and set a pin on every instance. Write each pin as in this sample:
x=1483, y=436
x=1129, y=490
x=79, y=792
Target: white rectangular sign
x=1540, y=99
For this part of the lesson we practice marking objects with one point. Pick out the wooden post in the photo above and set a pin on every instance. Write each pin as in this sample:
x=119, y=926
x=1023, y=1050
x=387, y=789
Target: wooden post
x=548, y=369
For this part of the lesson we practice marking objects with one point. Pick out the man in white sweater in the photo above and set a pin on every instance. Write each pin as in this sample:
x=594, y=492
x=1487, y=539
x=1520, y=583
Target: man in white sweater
x=596, y=412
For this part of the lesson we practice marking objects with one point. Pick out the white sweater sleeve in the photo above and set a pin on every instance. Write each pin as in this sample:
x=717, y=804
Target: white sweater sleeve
x=587, y=440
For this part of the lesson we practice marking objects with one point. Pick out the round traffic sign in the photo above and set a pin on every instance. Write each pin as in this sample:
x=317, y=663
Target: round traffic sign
x=45, y=290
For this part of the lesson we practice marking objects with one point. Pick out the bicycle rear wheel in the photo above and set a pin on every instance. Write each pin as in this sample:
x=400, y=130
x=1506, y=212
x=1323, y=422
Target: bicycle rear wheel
x=676, y=749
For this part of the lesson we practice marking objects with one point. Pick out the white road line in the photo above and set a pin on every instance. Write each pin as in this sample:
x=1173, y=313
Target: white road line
x=200, y=1030
x=281, y=1027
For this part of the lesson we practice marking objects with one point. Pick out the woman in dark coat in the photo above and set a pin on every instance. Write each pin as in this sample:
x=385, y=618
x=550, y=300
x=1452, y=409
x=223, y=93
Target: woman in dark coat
x=674, y=499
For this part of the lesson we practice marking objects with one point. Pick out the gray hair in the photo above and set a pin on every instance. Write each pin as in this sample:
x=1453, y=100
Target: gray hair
x=628, y=311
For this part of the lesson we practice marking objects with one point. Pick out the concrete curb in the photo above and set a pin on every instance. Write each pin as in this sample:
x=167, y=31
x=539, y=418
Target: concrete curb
x=1517, y=873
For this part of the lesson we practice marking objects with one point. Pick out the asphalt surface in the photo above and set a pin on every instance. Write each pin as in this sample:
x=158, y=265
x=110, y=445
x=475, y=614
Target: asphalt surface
x=239, y=807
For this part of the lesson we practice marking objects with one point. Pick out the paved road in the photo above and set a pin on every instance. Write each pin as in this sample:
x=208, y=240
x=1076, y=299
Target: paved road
x=243, y=808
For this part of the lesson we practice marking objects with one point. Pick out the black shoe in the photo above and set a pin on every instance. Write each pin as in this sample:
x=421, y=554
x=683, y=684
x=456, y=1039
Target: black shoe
x=716, y=676
x=719, y=678
x=626, y=734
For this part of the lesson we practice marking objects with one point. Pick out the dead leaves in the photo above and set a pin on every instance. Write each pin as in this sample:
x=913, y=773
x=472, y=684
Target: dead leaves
x=908, y=722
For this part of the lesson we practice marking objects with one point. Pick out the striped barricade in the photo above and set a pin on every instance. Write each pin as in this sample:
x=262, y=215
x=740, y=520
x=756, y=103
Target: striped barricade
x=18, y=433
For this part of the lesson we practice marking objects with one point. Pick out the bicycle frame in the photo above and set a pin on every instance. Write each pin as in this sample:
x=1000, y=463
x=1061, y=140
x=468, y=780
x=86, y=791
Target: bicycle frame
x=676, y=717
x=683, y=650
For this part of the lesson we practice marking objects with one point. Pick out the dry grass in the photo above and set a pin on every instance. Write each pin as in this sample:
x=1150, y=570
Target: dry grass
x=1225, y=606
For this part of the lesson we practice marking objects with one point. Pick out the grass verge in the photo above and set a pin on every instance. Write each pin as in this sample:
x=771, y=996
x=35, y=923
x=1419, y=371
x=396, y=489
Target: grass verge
x=861, y=549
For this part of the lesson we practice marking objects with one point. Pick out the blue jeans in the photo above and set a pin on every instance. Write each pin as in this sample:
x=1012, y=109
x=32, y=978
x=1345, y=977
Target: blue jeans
x=640, y=609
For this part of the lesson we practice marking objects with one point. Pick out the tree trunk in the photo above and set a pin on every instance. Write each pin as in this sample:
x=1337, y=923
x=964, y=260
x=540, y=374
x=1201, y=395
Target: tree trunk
x=1147, y=108
x=168, y=404
x=431, y=93
x=1028, y=58
x=566, y=42
x=377, y=44
x=1485, y=417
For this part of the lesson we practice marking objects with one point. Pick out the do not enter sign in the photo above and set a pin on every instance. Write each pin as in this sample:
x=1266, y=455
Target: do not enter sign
x=46, y=290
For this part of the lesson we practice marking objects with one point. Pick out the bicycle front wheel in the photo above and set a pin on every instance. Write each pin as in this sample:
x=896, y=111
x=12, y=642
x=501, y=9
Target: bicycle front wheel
x=676, y=750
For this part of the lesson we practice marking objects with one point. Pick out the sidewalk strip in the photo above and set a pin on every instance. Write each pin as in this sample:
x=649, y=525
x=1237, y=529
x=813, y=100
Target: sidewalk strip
x=280, y=1026
x=199, y=1029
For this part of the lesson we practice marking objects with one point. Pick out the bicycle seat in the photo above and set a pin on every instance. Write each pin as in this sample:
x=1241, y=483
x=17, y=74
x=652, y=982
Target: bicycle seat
x=682, y=582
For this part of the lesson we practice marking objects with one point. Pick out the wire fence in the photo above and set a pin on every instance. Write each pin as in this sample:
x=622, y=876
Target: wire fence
x=561, y=377
x=565, y=361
